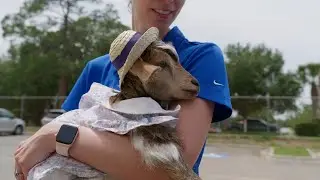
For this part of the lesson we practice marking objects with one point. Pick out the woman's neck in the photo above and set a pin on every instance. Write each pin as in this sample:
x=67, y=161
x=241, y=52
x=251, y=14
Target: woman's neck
x=142, y=29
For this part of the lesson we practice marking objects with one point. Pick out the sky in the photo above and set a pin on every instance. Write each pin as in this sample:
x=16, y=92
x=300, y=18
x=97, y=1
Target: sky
x=291, y=26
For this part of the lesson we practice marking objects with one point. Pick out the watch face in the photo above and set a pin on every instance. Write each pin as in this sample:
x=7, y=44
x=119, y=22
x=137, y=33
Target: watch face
x=66, y=134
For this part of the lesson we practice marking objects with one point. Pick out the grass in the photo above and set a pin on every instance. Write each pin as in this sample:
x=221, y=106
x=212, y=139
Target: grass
x=265, y=140
x=260, y=137
x=315, y=149
x=291, y=151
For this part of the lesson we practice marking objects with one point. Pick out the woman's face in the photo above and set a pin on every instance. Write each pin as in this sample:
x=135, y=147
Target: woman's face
x=155, y=13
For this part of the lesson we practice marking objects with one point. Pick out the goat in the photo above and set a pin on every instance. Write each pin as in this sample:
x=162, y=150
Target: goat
x=156, y=74
x=159, y=75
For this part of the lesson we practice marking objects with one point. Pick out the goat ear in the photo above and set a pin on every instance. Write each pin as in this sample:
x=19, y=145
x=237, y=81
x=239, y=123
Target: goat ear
x=116, y=98
x=169, y=48
x=143, y=70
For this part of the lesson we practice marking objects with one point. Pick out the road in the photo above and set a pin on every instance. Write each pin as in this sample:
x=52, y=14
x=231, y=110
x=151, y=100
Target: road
x=221, y=162
x=246, y=164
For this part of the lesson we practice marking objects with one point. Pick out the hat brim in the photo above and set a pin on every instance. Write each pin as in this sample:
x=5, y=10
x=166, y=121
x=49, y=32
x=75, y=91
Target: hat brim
x=146, y=39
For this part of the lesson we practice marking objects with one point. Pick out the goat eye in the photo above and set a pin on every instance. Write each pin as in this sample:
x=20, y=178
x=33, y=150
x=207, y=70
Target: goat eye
x=163, y=64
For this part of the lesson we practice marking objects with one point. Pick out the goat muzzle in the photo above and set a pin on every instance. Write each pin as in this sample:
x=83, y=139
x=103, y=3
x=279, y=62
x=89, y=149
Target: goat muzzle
x=195, y=82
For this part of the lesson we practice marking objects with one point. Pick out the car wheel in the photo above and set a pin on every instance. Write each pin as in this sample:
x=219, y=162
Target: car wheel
x=18, y=130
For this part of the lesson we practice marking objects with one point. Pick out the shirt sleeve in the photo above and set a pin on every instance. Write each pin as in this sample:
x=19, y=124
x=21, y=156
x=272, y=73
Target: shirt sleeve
x=79, y=88
x=208, y=67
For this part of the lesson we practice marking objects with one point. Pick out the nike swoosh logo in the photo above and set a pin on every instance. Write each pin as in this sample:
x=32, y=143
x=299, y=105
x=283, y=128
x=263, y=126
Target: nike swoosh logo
x=217, y=84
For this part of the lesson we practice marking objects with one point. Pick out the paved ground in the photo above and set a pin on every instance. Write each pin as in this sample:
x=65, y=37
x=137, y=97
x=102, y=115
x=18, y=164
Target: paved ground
x=246, y=164
x=220, y=163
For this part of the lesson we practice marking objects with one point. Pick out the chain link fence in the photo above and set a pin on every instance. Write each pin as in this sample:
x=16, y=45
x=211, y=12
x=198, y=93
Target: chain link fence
x=30, y=108
x=269, y=108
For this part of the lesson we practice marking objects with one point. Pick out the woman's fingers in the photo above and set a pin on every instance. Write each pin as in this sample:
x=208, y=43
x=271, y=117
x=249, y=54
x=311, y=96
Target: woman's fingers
x=18, y=172
x=21, y=161
x=18, y=150
x=33, y=150
x=20, y=146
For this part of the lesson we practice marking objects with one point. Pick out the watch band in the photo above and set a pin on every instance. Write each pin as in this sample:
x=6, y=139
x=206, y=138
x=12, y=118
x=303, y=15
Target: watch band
x=62, y=149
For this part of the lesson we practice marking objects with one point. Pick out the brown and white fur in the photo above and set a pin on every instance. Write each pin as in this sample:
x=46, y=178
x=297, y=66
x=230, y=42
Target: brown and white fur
x=159, y=75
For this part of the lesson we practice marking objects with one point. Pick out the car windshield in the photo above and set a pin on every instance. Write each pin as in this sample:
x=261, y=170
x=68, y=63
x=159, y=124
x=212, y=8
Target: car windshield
x=6, y=113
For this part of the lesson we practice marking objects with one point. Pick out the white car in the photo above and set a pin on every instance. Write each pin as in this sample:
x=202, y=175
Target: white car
x=287, y=131
x=9, y=123
x=50, y=115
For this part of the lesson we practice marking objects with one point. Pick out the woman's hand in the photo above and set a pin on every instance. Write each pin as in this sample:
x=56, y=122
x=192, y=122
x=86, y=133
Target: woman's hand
x=35, y=149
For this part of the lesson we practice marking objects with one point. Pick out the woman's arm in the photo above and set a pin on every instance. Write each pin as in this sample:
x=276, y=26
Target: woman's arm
x=193, y=126
x=114, y=154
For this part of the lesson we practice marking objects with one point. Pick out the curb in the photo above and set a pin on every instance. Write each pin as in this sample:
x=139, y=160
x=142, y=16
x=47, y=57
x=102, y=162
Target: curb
x=266, y=153
x=269, y=155
x=312, y=154
x=235, y=145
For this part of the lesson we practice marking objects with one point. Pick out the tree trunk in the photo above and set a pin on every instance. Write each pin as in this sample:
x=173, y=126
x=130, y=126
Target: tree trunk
x=62, y=91
x=245, y=125
x=317, y=107
x=314, y=93
x=63, y=81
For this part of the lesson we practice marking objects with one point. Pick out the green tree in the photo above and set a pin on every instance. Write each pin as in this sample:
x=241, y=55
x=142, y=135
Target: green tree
x=44, y=61
x=257, y=71
x=64, y=29
x=302, y=116
x=264, y=114
x=310, y=74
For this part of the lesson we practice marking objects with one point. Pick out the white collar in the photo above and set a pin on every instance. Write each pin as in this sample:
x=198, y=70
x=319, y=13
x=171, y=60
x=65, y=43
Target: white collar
x=142, y=105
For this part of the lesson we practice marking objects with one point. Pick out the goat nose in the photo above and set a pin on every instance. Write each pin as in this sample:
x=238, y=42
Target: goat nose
x=195, y=82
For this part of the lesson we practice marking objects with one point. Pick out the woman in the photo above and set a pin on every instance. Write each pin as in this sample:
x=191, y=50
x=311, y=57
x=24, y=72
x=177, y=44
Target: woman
x=114, y=154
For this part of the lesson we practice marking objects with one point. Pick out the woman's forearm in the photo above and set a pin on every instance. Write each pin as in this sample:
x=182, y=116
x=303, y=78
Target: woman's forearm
x=112, y=154
x=115, y=155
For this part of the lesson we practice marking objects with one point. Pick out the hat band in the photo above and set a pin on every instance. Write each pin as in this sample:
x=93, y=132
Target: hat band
x=121, y=59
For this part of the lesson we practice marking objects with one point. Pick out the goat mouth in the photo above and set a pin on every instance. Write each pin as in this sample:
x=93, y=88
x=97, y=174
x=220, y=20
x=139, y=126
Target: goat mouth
x=191, y=91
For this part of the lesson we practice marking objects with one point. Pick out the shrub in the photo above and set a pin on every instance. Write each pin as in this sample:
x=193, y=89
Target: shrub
x=307, y=129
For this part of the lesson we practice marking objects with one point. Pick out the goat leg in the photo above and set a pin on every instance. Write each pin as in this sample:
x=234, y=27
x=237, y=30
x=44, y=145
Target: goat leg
x=160, y=148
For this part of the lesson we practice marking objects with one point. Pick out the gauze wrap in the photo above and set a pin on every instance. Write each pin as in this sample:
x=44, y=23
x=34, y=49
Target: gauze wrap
x=96, y=113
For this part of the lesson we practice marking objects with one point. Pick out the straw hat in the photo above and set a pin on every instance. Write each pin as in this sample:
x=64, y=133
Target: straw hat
x=128, y=47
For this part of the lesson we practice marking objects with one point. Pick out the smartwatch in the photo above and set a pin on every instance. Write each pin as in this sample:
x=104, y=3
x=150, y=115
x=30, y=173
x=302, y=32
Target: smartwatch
x=65, y=138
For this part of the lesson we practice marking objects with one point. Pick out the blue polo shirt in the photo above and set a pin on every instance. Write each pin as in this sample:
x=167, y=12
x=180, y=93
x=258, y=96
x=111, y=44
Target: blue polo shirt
x=204, y=61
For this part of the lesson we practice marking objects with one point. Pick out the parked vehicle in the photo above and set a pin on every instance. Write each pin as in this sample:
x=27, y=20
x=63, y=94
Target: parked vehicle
x=255, y=125
x=50, y=115
x=215, y=130
x=286, y=131
x=9, y=123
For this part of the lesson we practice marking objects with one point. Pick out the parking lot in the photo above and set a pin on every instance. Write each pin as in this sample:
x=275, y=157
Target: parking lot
x=220, y=162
